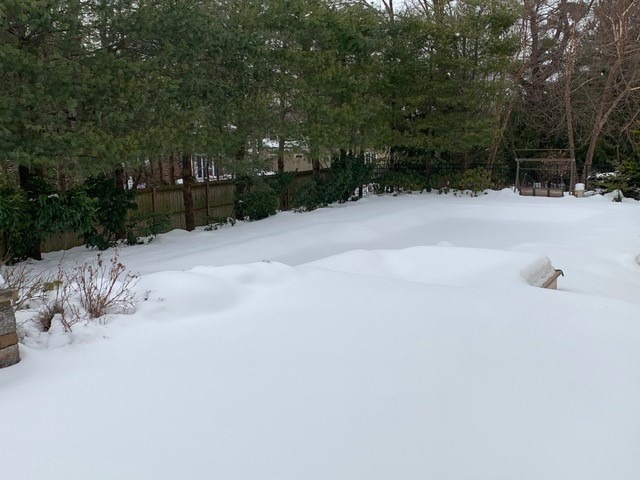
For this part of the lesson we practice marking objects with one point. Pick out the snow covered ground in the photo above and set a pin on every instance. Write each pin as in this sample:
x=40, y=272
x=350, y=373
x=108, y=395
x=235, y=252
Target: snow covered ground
x=392, y=338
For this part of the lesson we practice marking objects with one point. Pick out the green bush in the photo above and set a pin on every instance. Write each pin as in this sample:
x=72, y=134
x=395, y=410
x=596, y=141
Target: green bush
x=146, y=226
x=398, y=181
x=257, y=204
x=313, y=194
x=476, y=180
x=112, y=205
x=281, y=181
x=30, y=215
x=255, y=198
x=14, y=220
x=218, y=222
x=626, y=179
x=348, y=173
x=68, y=211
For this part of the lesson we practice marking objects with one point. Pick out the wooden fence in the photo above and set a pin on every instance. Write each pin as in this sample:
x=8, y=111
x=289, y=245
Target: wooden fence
x=211, y=199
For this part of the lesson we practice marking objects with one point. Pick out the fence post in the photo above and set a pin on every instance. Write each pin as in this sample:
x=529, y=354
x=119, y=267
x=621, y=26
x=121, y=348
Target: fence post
x=153, y=200
x=9, y=353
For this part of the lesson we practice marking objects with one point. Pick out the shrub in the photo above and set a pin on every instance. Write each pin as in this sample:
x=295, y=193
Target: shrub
x=15, y=221
x=146, y=226
x=112, y=205
x=625, y=179
x=32, y=286
x=219, y=222
x=397, y=181
x=348, y=173
x=58, y=297
x=281, y=181
x=256, y=204
x=102, y=286
x=87, y=291
x=58, y=212
x=475, y=180
x=35, y=213
x=255, y=199
x=313, y=194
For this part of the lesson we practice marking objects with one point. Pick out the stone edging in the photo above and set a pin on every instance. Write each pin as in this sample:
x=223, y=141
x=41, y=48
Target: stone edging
x=9, y=350
x=8, y=340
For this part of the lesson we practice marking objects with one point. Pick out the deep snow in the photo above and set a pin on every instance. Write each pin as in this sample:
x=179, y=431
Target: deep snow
x=395, y=337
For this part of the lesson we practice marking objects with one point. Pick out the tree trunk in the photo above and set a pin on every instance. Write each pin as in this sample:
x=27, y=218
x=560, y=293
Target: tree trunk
x=567, y=98
x=34, y=250
x=497, y=139
x=601, y=117
x=161, y=174
x=119, y=178
x=187, y=195
x=618, y=36
x=315, y=160
x=172, y=168
x=23, y=174
x=284, y=195
x=119, y=182
x=427, y=167
x=466, y=158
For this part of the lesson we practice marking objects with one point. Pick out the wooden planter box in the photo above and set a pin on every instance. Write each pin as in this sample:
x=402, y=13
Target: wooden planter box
x=527, y=191
x=541, y=192
x=556, y=192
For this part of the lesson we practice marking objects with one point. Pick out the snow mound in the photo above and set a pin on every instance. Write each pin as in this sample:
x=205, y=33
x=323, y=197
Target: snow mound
x=442, y=265
x=205, y=290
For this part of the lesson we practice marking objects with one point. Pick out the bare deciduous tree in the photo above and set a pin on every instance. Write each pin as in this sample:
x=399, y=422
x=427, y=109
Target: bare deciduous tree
x=615, y=47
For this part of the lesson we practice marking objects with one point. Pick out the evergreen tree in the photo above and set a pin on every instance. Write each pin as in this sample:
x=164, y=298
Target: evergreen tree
x=452, y=63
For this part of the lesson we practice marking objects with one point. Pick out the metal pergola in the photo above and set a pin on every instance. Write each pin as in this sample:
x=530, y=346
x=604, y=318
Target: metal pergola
x=545, y=173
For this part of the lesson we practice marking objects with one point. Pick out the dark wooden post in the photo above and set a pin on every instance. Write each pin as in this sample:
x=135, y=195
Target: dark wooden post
x=153, y=200
x=187, y=194
x=9, y=353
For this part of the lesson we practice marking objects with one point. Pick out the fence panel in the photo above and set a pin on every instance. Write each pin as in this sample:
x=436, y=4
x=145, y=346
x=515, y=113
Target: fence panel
x=221, y=199
x=61, y=241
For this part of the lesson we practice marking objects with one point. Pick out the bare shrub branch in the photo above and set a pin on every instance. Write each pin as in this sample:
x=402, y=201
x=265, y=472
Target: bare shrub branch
x=31, y=285
x=102, y=286
x=87, y=291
